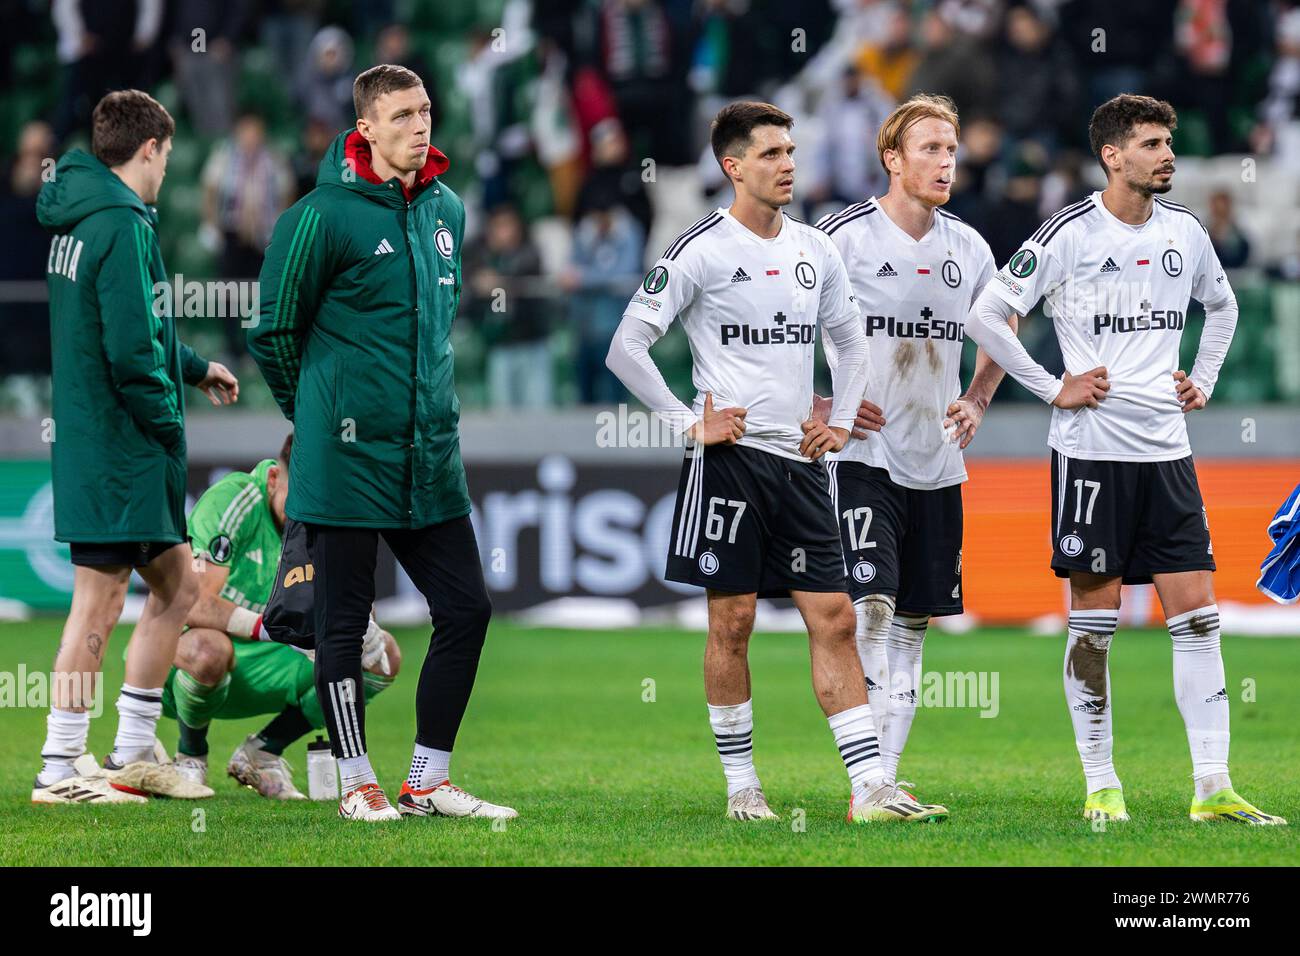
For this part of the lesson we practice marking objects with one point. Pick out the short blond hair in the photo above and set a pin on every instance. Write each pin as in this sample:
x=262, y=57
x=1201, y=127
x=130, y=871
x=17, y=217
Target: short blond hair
x=905, y=115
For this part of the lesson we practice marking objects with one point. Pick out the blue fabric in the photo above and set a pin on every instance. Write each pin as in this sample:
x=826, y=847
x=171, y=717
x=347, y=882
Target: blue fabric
x=1279, y=576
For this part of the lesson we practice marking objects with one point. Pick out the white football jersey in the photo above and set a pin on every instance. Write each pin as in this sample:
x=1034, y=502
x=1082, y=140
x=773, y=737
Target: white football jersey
x=751, y=307
x=1118, y=296
x=913, y=297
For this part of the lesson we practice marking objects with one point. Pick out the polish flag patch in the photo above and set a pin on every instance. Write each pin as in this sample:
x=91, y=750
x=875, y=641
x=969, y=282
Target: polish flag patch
x=1144, y=262
x=774, y=272
x=923, y=270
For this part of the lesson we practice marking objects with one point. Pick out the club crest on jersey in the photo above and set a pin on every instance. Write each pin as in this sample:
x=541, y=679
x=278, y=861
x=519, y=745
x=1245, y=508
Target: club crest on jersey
x=1172, y=260
x=708, y=563
x=864, y=572
x=1023, y=264
x=951, y=273
x=656, y=280
x=444, y=242
x=805, y=275
x=1072, y=546
x=219, y=548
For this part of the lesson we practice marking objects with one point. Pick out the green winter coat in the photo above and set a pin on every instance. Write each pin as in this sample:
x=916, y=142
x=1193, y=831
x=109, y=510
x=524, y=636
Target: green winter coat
x=118, y=455
x=358, y=292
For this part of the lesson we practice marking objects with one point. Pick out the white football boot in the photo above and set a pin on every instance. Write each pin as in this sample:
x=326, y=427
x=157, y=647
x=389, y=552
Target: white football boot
x=749, y=804
x=87, y=785
x=888, y=804
x=267, y=773
x=446, y=800
x=367, y=803
x=193, y=769
x=158, y=777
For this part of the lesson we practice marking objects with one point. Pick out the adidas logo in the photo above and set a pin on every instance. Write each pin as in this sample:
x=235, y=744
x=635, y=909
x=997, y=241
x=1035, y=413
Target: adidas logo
x=740, y=276
x=1109, y=265
x=872, y=685
x=383, y=247
x=1221, y=695
x=255, y=556
x=908, y=695
x=886, y=270
x=1094, y=706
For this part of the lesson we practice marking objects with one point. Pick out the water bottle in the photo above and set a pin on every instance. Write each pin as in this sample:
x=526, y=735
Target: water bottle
x=322, y=771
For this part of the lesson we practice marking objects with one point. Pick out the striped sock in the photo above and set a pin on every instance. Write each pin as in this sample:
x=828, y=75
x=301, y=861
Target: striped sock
x=855, y=736
x=138, y=710
x=1087, y=693
x=733, y=732
x=1201, y=690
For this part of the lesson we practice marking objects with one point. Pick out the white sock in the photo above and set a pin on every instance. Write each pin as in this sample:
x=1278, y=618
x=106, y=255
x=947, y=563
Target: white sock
x=733, y=732
x=1087, y=693
x=903, y=648
x=855, y=736
x=1202, y=694
x=65, y=741
x=874, y=613
x=138, y=710
x=429, y=768
x=354, y=771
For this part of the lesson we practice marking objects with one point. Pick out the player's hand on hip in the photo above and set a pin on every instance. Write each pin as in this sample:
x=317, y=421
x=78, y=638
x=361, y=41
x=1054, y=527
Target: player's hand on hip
x=819, y=438
x=724, y=426
x=220, y=385
x=1085, y=389
x=964, y=417
x=1189, y=395
x=871, y=418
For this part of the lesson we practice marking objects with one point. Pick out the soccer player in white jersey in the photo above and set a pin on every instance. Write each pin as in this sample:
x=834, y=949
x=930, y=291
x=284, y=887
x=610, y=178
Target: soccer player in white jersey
x=1118, y=269
x=750, y=286
x=916, y=270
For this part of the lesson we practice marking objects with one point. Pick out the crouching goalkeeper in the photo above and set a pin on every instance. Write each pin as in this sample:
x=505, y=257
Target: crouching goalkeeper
x=228, y=664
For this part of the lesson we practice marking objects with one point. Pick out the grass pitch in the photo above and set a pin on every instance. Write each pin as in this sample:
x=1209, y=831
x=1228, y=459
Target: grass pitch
x=562, y=726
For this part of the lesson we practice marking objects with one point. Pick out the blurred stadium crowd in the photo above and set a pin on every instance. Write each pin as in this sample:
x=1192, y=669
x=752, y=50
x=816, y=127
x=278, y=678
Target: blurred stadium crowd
x=577, y=132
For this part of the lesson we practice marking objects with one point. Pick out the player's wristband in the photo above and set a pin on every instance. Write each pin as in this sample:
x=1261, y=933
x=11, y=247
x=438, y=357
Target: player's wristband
x=244, y=623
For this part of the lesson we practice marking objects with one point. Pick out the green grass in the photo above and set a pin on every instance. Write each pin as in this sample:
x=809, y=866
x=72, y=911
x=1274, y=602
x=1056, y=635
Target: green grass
x=558, y=728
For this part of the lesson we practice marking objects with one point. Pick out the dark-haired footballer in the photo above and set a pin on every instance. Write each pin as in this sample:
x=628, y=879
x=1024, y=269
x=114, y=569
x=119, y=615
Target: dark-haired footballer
x=753, y=288
x=1118, y=269
x=118, y=453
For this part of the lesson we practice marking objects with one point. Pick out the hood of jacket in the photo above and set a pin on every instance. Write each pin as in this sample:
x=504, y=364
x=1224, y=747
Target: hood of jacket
x=351, y=152
x=81, y=186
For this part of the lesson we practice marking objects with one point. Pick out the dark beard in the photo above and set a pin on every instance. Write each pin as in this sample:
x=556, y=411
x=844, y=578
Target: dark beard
x=1151, y=188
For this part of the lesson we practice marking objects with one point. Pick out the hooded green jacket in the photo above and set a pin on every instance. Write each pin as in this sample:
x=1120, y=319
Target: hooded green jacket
x=359, y=289
x=118, y=455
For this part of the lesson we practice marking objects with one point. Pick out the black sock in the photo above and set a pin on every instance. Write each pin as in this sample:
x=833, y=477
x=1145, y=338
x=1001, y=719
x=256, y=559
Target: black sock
x=288, y=726
x=193, y=740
